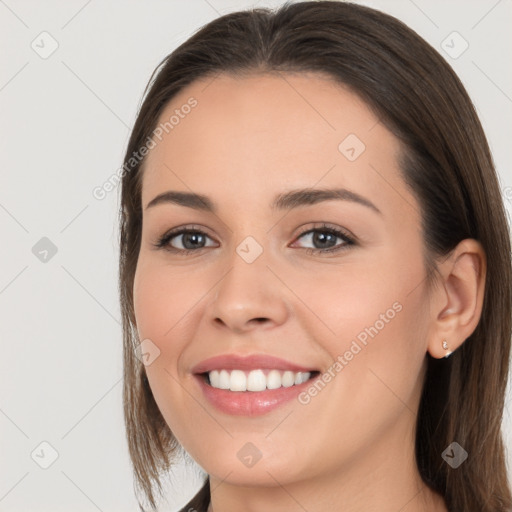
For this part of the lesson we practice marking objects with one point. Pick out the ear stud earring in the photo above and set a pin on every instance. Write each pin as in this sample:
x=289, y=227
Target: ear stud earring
x=445, y=346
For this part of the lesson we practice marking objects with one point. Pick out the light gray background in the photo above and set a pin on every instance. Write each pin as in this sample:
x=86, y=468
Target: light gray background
x=64, y=123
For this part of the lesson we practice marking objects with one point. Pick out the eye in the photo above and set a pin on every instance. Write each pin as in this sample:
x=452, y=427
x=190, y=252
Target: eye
x=183, y=240
x=186, y=240
x=325, y=237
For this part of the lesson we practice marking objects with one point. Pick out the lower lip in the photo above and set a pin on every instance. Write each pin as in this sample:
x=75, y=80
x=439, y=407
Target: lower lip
x=249, y=403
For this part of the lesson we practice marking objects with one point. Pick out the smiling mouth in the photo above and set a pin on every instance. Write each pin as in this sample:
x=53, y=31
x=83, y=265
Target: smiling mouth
x=255, y=380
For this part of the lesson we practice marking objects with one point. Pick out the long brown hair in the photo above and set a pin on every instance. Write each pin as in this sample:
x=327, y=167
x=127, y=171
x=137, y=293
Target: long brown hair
x=448, y=166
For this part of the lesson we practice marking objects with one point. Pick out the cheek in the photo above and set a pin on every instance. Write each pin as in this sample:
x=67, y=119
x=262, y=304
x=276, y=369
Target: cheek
x=163, y=303
x=387, y=375
x=164, y=311
x=379, y=354
x=340, y=302
x=374, y=317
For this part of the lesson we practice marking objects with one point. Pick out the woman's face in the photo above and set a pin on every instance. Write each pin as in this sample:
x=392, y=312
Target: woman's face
x=259, y=292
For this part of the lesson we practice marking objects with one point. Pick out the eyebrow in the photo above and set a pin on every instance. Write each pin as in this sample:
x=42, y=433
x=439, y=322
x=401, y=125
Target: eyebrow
x=285, y=201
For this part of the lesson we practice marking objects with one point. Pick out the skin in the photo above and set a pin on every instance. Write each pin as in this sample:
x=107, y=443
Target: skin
x=352, y=445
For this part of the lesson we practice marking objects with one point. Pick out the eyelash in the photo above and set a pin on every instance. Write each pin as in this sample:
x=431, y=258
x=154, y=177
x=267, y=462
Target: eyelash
x=163, y=242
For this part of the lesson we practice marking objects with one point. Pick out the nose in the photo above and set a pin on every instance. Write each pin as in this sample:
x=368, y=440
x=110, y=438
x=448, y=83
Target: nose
x=249, y=295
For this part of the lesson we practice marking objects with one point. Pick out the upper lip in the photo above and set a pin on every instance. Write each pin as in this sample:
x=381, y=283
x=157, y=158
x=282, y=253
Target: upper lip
x=251, y=362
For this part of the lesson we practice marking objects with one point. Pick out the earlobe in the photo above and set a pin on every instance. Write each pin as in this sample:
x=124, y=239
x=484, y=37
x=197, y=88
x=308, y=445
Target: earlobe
x=458, y=300
x=447, y=348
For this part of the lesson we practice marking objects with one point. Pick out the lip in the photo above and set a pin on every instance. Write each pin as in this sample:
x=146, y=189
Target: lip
x=249, y=403
x=251, y=362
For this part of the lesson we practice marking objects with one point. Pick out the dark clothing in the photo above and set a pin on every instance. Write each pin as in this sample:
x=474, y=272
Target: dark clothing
x=200, y=502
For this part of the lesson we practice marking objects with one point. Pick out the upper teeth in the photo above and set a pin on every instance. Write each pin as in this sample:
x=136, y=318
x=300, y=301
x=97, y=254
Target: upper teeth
x=255, y=380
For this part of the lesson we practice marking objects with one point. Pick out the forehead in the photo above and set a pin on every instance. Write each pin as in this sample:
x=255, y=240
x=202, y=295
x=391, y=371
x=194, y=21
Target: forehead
x=274, y=131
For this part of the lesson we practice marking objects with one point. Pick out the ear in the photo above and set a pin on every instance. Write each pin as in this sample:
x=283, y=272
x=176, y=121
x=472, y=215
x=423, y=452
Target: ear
x=456, y=301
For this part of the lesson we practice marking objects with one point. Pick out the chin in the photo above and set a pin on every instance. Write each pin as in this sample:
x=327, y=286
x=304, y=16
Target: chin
x=248, y=466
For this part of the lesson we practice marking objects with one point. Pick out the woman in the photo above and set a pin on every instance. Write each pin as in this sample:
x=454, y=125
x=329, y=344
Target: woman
x=315, y=271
